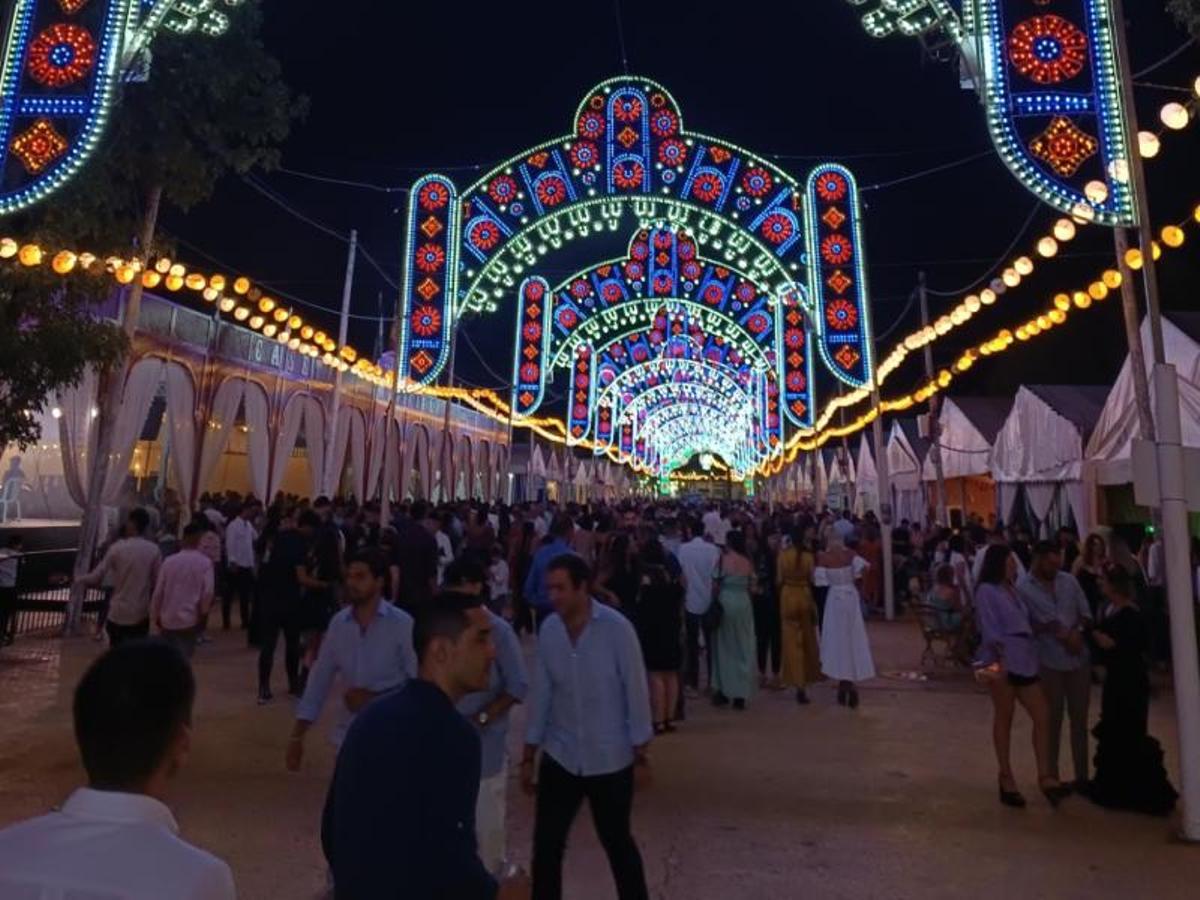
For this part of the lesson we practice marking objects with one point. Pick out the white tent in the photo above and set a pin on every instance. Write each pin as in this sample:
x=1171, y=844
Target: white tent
x=840, y=476
x=906, y=451
x=1040, y=447
x=1109, y=449
x=968, y=428
x=866, y=482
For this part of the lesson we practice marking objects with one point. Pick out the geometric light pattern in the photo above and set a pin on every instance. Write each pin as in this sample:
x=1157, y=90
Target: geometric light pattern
x=427, y=326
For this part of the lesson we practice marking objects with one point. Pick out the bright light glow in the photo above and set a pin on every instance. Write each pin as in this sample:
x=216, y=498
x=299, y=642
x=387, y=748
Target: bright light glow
x=1064, y=230
x=1175, y=116
x=1047, y=247
x=1148, y=144
x=1024, y=266
x=1096, y=191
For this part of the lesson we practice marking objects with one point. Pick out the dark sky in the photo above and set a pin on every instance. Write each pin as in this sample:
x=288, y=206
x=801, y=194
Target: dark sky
x=398, y=89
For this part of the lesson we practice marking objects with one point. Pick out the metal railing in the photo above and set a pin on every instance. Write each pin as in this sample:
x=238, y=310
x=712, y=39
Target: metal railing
x=43, y=593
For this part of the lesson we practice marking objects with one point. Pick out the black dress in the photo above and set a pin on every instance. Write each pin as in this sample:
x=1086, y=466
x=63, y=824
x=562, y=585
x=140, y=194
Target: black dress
x=1129, y=762
x=1090, y=582
x=660, y=620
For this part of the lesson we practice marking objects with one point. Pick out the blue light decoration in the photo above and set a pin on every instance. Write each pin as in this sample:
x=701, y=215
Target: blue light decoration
x=431, y=248
x=533, y=329
x=837, y=274
x=62, y=62
x=1047, y=73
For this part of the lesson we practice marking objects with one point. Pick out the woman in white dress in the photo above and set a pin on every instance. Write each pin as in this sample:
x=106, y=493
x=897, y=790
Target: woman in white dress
x=845, y=653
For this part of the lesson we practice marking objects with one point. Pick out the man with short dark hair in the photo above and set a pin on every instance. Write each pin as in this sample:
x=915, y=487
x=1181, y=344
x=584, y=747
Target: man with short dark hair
x=399, y=819
x=117, y=838
x=698, y=562
x=183, y=594
x=1061, y=616
x=132, y=565
x=417, y=559
x=561, y=529
x=240, y=558
x=369, y=643
x=590, y=716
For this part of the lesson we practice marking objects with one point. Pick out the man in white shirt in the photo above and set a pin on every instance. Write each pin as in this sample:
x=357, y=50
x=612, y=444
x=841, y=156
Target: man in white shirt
x=116, y=838
x=716, y=526
x=239, y=557
x=698, y=560
x=131, y=565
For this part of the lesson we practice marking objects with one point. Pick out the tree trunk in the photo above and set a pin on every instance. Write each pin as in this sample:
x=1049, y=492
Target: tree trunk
x=1133, y=335
x=112, y=387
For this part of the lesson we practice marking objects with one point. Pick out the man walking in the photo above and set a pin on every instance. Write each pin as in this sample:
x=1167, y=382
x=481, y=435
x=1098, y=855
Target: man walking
x=561, y=529
x=698, y=560
x=132, y=565
x=183, y=593
x=1060, y=613
x=591, y=718
x=400, y=815
x=369, y=643
x=239, y=557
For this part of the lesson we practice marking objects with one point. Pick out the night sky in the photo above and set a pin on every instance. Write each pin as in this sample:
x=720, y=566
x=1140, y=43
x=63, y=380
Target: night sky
x=400, y=89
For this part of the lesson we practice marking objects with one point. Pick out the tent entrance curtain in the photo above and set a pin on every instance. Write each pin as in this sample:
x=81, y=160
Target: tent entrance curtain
x=1040, y=498
x=233, y=395
x=1007, y=492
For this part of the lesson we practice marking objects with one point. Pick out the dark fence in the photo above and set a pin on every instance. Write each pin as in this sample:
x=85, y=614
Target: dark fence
x=43, y=593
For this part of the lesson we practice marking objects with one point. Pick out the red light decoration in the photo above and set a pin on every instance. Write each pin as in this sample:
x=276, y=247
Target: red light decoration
x=1048, y=49
x=1064, y=146
x=61, y=55
x=38, y=146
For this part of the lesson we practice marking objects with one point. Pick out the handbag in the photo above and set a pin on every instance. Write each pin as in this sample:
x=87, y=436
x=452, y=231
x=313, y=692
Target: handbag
x=711, y=620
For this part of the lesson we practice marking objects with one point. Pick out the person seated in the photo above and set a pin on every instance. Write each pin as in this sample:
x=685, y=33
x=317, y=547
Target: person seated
x=947, y=599
x=116, y=837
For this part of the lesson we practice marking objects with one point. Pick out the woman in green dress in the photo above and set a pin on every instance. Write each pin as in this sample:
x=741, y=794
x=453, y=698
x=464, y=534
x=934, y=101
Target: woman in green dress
x=733, y=662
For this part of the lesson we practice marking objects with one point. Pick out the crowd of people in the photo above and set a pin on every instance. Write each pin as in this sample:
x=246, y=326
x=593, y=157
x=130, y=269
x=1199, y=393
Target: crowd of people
x=640, y=610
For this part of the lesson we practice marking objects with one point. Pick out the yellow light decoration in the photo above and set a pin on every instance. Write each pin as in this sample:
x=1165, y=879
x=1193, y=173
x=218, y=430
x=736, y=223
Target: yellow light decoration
x=1011, y=278
x=1155, y=249
x=1148, y=144
x=218, y=282
x=63, y=262
x=1175, y=116
x=1006, y=336
x=319, y=337
x=1097, y=290
x=294, y=322
x=1033, y=329
x=195, y=281
x=30, y=255
x=173, y=282
x=227, y=304
x=987, y=296
x=178, y=270
x=1133, y=258
x=973, y=304
x=256, y=322
x=281, y=315
x=1044, y=323
x=306, y=332
x=241, y=285
x=1062, y=301
x=125, y=274
x=269, y=330
x=1024, y=266
x=1173, y=236
x=1096, y=192
x=1064, y=230
x=293, y=343
x=8, y=247
x=210, y=294
x=349, y=354
x=265, y=305
x=151, y=279
x=242, y=313
x=1082, y=300
x=942, y=325
x=284, y=336
x=1057, y=316
x=162, y=265
x=1112, y=278
x=1196, y=86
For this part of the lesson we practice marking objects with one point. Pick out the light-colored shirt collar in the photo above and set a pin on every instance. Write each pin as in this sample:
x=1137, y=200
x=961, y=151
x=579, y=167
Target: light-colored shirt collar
x=119, y=807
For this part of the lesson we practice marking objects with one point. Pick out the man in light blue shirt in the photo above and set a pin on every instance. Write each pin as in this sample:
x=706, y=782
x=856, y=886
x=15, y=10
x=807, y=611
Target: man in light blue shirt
x=488, y=711
x=590, y=715
x=368, y=643
x=534, y=588
x=1059, y=611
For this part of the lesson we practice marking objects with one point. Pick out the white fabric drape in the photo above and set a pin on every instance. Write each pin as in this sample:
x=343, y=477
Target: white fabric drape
x=1007, y=492
x=181, y=405
x=1041, y=496
x=219, y=428
x=374, y=461
x=1079, y=496
x=285, y=441
x=140, y=387
x=314, y=443
x=258, y=439
x=75, y=433
x=335, y=456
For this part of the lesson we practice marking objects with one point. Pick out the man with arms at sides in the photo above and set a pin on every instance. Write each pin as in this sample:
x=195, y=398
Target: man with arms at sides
x=116, y=838
x=368, y=643
x=132, y=566
x=399, y=820
x=240, y=538
x=417, y=559
x=561, y=529
x=590, y=715
x=183, y=594
x=488, y=711
x=698, y=561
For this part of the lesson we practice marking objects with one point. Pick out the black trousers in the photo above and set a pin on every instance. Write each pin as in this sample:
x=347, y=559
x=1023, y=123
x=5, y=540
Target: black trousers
x=270, y=623
x=768, y=635
x=8, y=614
x=239, y=582
x=118, y=634
x=559, y=796
x=694, y=626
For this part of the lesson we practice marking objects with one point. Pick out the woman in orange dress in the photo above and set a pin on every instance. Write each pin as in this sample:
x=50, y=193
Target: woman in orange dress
x=870, y=548
x=798, y=613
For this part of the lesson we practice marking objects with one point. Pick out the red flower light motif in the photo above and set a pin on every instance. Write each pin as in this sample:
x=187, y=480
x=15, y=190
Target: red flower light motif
x=628, y=174
x=713, y=294
x=841, y=315
x=777, y=228
x=757, y=182
x=757, y=323
x=745, y=292
x=664, y=123
x=831, y=187
x=627, y=108
x=793, y=338
x=580, y=288
x=534, y=291
x=690, y=270
x=1048, y=49
x=663, y=283
x=672, y=152
x=484, y=234
x=836, y=249
x=530, y=372
x=610, y=291
x=591, y=125
x=796, y=382
x=566, y=318
x=584, y=154
x=433, y=195
x=634, y=271
x=551, y=190
x=61, y=55
x=430, y=258
x=708, y=186
x=503, y=189
x=426, y=321
x=532, y=331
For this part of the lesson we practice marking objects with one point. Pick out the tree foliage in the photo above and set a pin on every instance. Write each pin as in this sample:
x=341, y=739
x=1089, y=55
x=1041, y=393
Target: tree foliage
x=211, y=106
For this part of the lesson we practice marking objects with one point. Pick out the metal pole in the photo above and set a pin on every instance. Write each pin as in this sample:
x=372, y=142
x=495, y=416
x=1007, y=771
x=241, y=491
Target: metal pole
x=1171, y=479
x=935, y=430
x=385, y=503
x=330, y=482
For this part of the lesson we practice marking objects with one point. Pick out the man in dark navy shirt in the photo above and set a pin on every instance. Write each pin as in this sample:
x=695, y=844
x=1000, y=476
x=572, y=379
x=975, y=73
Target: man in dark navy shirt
x=399, y=821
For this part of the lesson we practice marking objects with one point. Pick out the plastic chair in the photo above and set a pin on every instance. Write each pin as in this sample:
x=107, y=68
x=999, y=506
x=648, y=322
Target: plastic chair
x=10, y=498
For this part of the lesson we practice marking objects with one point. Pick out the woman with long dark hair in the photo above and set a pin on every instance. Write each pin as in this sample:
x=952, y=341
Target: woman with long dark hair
x=659, y=619
x=733, y=662
x=798, y=612
x=1009, y=665
x=1129, y=762
x=1088, y=570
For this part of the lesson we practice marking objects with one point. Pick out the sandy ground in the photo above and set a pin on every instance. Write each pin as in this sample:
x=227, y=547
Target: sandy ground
x=896, y=800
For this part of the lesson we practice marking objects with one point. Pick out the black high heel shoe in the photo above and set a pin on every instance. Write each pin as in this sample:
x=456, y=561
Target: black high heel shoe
x=854, y=698
x=1011, y=798
x=1056, y=794
x=843, y=695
